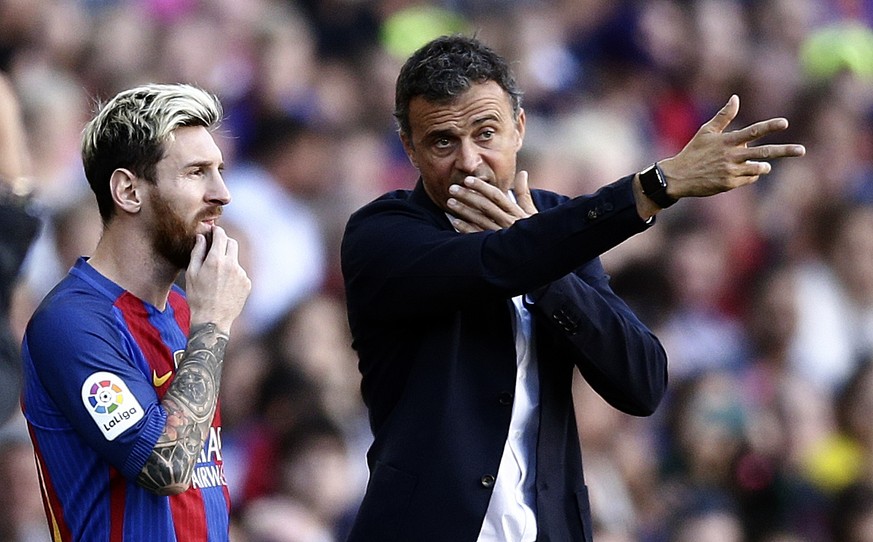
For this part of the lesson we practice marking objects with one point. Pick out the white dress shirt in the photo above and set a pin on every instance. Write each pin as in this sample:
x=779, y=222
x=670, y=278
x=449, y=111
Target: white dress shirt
x=511, y=515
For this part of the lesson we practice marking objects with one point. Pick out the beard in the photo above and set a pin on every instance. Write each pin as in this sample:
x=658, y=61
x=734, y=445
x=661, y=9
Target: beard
x=173, y=237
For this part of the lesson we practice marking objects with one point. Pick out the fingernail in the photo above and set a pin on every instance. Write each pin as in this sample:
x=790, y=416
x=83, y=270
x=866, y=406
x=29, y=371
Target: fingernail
x=454, y=189
x=469, y=181
x=452, y=202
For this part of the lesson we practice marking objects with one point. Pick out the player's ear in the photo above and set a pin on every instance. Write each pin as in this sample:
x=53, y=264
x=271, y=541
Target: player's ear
x=125, y=189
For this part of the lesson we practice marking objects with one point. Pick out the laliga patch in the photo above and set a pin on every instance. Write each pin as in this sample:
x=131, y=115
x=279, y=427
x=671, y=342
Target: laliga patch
x=110, y=403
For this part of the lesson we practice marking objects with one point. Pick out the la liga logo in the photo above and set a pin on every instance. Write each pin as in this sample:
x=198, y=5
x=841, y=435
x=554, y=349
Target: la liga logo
x=105, y=397
x=111, y=405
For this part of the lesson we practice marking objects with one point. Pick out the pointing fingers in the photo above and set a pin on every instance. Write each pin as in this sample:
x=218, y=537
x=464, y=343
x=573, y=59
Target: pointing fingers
x=723, y=118
x=756, y=131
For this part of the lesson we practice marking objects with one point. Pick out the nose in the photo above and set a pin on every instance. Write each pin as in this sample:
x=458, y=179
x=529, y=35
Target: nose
x=468, y=159
x=218, y=193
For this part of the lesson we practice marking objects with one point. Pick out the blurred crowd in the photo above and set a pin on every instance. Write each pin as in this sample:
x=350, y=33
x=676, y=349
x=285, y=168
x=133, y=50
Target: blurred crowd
x=763, y=296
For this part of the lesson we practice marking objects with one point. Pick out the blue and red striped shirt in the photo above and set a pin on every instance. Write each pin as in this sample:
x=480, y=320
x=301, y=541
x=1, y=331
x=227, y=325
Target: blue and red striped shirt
x=97, y=361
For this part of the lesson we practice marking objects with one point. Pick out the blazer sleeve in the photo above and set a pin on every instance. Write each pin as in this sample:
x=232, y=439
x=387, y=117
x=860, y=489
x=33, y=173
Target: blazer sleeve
x=589, y=324
x=401, y=258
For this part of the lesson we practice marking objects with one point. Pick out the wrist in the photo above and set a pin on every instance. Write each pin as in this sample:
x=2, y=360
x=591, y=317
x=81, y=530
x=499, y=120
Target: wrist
x=209, y=326
x=653, y=182
x=646, y=208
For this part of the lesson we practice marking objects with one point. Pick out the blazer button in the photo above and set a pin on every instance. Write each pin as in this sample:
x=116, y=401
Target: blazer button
x=505, y=398
x=593, y=214
x=487, y=481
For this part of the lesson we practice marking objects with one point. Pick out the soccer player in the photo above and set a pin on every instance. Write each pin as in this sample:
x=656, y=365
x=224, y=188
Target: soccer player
x=122, y=368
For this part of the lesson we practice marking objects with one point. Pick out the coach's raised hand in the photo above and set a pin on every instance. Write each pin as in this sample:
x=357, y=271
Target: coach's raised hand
x=716, y=160
x=479, y=206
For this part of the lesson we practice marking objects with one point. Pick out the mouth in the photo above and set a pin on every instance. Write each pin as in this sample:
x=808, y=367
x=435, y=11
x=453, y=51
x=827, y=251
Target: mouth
x=205, y=226
x=210, y=218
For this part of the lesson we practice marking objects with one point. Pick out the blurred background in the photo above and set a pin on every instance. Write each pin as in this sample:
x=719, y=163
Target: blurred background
x=763, y=297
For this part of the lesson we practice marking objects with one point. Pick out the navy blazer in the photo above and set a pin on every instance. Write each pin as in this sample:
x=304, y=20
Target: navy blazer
x=431, y=318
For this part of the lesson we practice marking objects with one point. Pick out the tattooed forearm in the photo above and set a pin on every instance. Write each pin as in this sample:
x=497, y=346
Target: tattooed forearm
x=190, y=405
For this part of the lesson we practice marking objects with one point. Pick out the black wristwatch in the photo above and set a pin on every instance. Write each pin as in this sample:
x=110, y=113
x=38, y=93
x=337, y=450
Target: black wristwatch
x=654, y=185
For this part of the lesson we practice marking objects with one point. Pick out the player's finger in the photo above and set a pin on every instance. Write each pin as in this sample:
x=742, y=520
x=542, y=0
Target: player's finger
x=219, y=241
x=232, y=249
x=198, y=253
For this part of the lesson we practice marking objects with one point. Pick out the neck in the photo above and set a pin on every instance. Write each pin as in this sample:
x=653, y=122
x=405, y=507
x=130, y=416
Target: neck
x=126, y=258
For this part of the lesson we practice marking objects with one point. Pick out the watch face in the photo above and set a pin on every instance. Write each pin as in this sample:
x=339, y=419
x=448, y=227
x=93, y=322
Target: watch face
x=652, y=181
x=660, y=176
x=654, y=186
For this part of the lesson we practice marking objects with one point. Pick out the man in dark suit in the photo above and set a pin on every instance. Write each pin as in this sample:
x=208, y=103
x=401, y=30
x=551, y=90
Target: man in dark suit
x=472, y=299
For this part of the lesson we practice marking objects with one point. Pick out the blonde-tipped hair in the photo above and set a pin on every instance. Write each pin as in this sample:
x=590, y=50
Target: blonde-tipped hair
x=131, y=130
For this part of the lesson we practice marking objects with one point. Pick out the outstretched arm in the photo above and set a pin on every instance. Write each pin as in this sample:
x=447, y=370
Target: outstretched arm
x=716, y=161
x=713, y=161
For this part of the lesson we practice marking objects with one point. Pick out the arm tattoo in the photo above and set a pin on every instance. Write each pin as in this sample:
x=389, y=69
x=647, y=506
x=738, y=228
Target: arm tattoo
x=190, y=405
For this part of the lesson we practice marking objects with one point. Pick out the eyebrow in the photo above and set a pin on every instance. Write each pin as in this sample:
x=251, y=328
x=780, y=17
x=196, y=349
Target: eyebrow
x=202, y=163
x=486, y=118
x=438, y=134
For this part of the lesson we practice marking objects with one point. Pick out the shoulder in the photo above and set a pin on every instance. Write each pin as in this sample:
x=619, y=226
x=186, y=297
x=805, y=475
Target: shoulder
x=545, y=199
x=399, y=208
x=70, y=307
x=72, y=296
x=396, y=200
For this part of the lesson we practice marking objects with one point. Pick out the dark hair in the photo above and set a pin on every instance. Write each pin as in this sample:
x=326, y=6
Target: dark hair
x=445, y=68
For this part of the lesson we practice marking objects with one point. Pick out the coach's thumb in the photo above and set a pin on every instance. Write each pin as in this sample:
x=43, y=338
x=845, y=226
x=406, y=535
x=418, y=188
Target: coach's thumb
x=522, y=193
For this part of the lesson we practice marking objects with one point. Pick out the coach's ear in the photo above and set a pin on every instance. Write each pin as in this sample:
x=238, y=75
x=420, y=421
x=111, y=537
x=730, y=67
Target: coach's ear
x=124, y=187
x=519, y=129
x=409, y=147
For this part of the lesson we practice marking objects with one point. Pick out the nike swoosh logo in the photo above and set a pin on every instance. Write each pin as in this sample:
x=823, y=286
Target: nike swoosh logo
x=159, y=381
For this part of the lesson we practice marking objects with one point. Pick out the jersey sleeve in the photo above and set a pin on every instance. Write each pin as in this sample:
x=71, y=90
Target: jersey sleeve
x=87, y=369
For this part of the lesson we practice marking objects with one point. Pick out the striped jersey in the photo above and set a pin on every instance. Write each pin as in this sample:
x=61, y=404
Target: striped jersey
x=97, y=361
